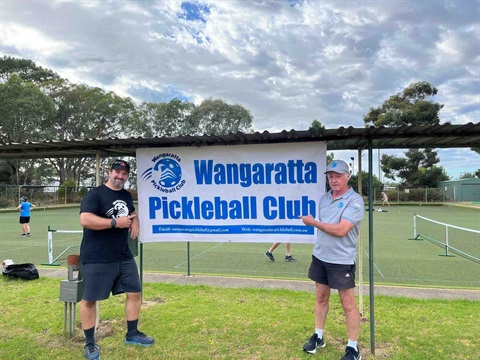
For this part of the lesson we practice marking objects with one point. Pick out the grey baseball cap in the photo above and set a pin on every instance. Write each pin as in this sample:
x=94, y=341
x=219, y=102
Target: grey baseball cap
x=338, y=166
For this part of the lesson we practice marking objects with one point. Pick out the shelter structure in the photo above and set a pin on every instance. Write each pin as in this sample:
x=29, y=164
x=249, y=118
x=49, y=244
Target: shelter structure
x=368, y=138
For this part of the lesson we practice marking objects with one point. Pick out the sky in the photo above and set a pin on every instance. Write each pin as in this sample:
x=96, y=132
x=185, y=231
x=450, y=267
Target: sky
x=288, y=62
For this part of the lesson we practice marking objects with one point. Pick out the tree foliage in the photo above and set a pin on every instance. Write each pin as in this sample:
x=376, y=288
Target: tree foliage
x=353, y=182
x=410, y=107
x=165, y=119
x=216, y=117
x=417, y=169
x=37, y=105
x=27, y=70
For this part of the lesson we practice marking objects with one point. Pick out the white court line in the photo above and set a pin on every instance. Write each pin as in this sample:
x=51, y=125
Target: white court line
x=376, y=267
x=203, y=252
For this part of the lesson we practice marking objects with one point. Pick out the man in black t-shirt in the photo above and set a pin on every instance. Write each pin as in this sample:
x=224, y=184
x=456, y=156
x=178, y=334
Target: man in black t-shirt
x=107, y=215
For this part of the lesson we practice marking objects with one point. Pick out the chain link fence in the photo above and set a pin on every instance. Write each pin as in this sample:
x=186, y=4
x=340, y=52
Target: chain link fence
x=41, y=195
x=417, y=195
x=45, y=195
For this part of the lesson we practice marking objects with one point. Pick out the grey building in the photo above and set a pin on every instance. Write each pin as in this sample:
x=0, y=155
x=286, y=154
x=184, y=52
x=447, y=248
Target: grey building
x=461, y=190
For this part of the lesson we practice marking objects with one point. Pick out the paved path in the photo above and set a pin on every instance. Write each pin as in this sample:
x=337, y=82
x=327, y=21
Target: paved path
x=298, y=285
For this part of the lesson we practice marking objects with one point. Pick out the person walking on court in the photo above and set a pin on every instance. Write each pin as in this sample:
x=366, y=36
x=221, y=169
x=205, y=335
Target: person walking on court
x=288, y=255
x=24, y=209
x=107, y=215
x=385, y=199
x=333, y=260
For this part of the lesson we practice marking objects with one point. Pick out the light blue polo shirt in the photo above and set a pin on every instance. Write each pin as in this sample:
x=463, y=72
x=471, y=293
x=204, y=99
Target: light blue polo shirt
x=25, y=208
x=339, y=250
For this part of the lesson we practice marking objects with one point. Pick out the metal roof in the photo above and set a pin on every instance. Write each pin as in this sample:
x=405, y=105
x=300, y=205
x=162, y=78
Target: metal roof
x=402, y=137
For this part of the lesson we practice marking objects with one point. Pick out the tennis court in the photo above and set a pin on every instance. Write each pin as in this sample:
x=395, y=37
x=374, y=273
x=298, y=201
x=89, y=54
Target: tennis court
x=397, y=260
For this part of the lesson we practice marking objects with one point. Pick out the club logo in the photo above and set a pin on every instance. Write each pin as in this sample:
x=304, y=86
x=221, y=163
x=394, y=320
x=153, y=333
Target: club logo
x=118, y=209
x=166, y=173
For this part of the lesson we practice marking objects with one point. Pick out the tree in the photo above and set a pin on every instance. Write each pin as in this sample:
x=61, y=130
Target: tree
x=85, y=112
x=165, y=119
x=25, y=69
x=467, y=175
x=317, y=129
x=26, y=114
x=418, y=169
x=353, y=182
x=216, y=117
x=477, y=150
x=410, y=107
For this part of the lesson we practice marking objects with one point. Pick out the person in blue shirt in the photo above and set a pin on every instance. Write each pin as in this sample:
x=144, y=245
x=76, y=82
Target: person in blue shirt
x=24, y=209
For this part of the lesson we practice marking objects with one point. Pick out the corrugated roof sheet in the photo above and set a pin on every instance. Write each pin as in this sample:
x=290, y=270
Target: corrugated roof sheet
x=402, y=137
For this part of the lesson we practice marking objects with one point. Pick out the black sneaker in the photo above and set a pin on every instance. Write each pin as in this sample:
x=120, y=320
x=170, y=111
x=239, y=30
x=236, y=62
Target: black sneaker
x=269, y=255
x=138, y=338
x=92, y=351
x=314, y=343
x=23, y=235
x=290, y=258
x=351, y=354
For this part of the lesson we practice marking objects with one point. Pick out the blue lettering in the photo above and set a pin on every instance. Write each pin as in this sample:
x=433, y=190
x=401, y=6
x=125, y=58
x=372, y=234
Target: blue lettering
x=154, y=204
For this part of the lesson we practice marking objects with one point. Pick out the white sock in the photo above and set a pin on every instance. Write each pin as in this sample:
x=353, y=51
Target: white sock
x=319, y=333
x=352, y=344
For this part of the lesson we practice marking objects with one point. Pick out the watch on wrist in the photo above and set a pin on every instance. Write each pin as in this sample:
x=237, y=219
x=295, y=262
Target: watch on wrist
x=114, y=223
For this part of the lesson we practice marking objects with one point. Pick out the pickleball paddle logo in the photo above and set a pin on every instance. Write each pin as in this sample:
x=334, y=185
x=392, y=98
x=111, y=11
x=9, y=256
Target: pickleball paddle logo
x=166, y=173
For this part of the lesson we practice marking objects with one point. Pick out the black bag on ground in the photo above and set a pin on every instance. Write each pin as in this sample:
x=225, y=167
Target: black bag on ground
x=21, y=271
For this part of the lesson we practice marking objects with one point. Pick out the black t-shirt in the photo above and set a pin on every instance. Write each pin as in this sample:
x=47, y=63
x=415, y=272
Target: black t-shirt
x=109, y=245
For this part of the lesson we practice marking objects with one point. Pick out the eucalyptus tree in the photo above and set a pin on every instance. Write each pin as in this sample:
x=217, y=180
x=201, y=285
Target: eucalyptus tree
x=85, y=112
x=26, y=115
x=216, y=117
x=413, y=106
x=164, y=119
x=26, y=69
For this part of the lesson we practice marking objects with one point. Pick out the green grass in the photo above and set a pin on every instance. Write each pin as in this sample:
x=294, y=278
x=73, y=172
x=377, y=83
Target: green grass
x=201, y=322
x=397, y=260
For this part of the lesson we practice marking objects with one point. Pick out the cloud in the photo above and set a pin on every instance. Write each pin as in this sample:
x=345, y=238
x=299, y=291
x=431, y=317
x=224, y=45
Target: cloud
x=287, y=62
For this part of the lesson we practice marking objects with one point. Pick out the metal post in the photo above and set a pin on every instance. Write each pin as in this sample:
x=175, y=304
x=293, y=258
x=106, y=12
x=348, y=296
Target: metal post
x=141, y=267
x=188, y=258
x=370, y=247
x=360, y=240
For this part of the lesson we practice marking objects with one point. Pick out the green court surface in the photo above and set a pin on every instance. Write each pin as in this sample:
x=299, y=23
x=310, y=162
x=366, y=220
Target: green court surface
x=397, y=260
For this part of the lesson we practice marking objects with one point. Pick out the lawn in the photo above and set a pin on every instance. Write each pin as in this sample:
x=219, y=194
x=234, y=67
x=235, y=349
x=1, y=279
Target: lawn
x=201, y=322
x=397, y=260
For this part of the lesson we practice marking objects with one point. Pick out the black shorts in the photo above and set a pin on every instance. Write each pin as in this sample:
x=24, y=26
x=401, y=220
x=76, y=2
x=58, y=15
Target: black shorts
x=336, y=276
x=24, y=219
x=102, y=278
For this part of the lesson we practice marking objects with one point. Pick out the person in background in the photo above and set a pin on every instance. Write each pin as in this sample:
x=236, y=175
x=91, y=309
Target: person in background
x=333, y=260
x=108, y=216
x=24, y=209
x=288, y=255
x=385, y=199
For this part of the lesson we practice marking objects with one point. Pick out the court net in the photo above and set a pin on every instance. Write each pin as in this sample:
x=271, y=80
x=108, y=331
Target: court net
x=65, y=243
x=454, y=239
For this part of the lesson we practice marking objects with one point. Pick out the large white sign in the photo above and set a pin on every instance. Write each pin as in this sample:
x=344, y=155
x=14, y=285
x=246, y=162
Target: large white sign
x=238, y=193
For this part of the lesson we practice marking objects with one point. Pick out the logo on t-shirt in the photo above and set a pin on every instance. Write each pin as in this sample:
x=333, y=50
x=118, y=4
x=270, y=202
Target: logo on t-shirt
x=340, y=204
x=119, y=209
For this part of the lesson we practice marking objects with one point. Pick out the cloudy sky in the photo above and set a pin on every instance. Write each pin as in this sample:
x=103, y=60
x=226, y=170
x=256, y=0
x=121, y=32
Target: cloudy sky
x=288, y=62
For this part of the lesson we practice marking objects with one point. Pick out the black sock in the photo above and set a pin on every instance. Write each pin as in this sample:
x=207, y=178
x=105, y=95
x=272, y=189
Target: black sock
x=89, y=336
x=132, y=325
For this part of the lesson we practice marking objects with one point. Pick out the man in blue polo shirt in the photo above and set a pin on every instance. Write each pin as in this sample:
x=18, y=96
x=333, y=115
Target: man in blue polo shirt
x=333, y=260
